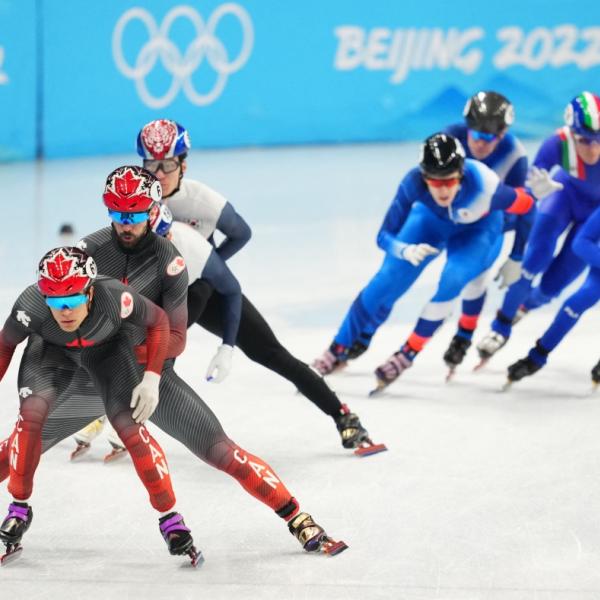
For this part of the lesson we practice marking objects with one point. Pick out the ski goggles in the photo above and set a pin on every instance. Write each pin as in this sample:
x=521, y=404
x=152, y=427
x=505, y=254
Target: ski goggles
x=482, y=136
x=64, y=302
x=585, y=140
x=128, y=218
x=439, y=183
x=167, y=165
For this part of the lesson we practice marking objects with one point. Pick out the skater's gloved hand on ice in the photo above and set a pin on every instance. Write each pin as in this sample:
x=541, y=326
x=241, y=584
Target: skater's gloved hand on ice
x=509, y=272
x=220, y=363
x=144, y=398
x=415, y=254
x=540, y=182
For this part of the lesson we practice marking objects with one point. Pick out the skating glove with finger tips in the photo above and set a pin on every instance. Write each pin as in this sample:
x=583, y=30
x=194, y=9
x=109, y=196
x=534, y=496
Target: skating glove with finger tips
x=540, y=182
x=144, y=397
x=509, y=272
x=221, y=363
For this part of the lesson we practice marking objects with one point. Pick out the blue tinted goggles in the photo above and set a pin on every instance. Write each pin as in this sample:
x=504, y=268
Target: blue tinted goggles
x=128, y=218
x=483, y=136
x=63, y=302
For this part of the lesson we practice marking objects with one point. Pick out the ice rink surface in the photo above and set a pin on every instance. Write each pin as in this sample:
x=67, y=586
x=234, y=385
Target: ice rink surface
x=483, y=495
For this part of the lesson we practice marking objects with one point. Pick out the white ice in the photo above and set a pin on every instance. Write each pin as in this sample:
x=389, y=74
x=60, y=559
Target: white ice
x=482, y=495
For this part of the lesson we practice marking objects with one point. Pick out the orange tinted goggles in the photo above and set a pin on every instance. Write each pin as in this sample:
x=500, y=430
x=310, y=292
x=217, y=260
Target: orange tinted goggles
x=438, y=183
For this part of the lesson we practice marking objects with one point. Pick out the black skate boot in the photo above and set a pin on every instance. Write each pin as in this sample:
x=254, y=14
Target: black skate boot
x=179, y=537
x=456, y=353
x=13, y=529
x=312, y=536
x=354, y=435
x=596, y=375
x=522, y=368
x=356, y=350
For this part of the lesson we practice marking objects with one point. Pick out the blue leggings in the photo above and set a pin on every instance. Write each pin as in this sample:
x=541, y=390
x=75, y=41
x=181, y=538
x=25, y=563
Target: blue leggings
x=471, y=249
x=558, y=271
x=572, y=309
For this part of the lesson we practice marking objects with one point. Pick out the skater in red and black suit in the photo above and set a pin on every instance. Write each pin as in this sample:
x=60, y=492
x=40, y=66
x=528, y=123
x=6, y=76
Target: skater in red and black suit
x=130, y=251
x=80, y=323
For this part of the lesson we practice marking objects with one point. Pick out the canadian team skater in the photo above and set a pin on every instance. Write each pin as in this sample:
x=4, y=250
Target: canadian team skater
x=572, y=156
x=447, y=202
x=164, y=146
x=82, y=322
x=151, y=265
x=586, y=245
x=201, y=261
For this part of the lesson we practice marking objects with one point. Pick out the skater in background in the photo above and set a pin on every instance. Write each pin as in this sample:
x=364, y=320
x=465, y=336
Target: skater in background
x=79, y=322
x=586, y=246
x=447, y=202
x=164, y=146
x=150, y=264
x=568, y=199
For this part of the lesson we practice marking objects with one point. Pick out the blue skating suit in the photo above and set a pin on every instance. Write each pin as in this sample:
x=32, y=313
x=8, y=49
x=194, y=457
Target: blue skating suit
x=586, y=245
x=470, y=230
x=509, y=162
x=570, y=206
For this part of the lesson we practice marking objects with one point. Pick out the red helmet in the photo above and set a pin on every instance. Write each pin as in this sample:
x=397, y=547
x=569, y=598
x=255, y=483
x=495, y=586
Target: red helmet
x=163, y=139
x=65, y=271
x=131, y=189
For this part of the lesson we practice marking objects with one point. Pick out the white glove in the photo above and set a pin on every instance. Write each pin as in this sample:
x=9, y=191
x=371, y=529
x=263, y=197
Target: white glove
x=540, y=182
x=144, y=398
x=509, y=272
x=221, y=362
x=415, y=254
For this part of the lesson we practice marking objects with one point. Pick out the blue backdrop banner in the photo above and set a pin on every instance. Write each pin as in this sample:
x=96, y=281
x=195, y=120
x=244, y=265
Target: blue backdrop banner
x=18, y=79
x=282, y=72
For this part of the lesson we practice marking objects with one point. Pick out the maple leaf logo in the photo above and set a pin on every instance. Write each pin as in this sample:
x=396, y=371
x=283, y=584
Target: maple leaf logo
x=60, y=266
x=127, y=185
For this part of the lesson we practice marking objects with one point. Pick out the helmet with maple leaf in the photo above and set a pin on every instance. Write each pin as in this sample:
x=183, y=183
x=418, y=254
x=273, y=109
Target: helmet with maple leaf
x=65, y=271
x=131, y=189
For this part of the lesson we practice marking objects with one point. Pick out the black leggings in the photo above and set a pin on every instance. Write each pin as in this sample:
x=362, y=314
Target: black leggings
x=258, y=342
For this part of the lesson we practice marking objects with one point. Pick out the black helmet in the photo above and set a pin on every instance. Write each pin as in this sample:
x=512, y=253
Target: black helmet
x=489, y=112
x=441, y=155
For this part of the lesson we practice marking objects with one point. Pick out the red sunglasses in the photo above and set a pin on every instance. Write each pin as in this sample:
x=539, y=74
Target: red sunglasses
x=438, y=183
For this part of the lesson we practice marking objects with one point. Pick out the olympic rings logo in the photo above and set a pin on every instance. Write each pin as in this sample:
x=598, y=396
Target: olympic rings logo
x=182, y=66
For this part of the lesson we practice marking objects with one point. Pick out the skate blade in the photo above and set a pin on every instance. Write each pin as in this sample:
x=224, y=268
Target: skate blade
x=12, y=554
x=79, y=451
x=381, y=385
x=595, y=386
x=370, y=448
x=507, y=386
x=114, y=455
x=481, y=364
x=332, y=548
x=450, y=374
x=197, y=558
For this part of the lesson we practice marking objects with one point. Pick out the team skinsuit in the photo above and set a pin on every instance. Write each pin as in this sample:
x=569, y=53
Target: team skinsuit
x=575, y=195
x=417, y=227
x=101, y=347
x=162, y=142
x=586, y=245
x=155, y=270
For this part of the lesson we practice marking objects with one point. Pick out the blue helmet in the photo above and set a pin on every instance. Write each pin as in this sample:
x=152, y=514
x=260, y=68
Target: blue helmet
x=162, y=139
x=160, y=219
x=582, y=115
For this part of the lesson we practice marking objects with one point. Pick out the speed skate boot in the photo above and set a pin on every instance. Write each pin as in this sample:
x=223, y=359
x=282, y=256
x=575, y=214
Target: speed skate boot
x=333, y=359
x=13, y=528
x=532, y=363
x=356, y=350
x=354, y=435
x=179, y=537
x=488, y=346
x=596, y=375
x=456, y=353
x=312, y=537
x=393, y=367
